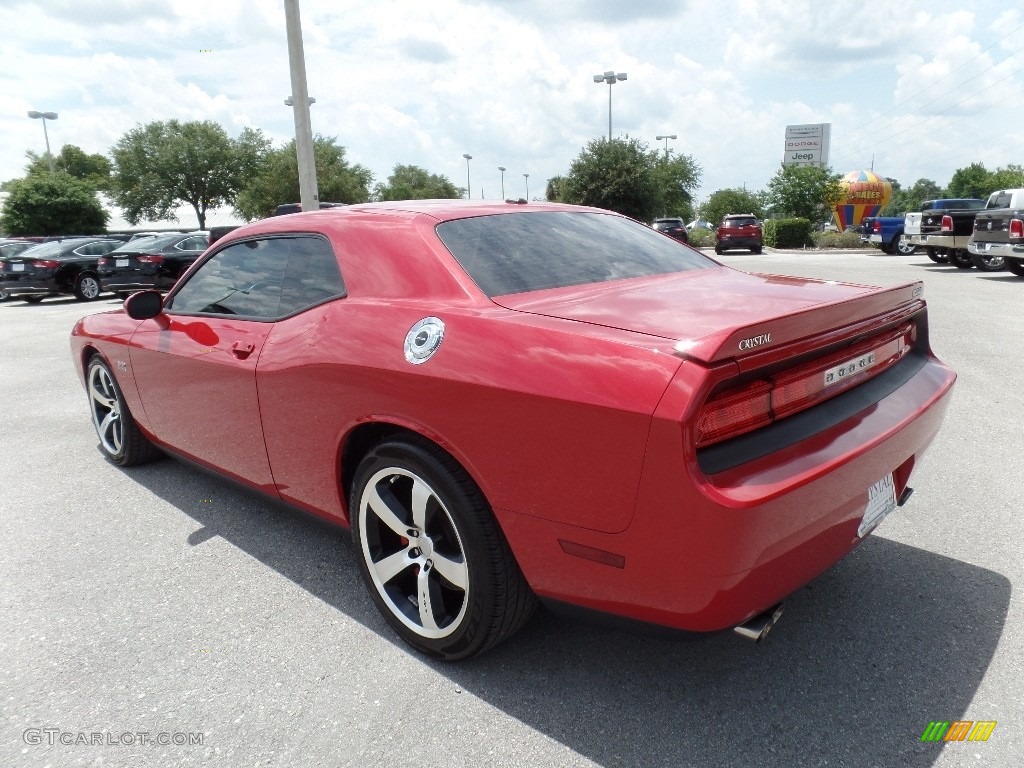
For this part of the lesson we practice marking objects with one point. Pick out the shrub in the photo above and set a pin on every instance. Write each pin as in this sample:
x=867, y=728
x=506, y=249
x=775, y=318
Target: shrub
x=700, y=237
x=787, y=233
x=848, y=239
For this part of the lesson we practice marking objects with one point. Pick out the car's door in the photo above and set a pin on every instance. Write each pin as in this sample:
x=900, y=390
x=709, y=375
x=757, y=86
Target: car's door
x=195, y=365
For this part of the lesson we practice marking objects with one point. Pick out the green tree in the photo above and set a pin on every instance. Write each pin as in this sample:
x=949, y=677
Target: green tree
x=162, y=165
x=410, y=182
x=93, y=169
x=619, y=175
x=678, y=177
x=553, y=190
x=910, y=199
x=726, y=201
x=278, y=180
x=52, y=204
x=973, y=181
x=1010, y=177
x=806, y=192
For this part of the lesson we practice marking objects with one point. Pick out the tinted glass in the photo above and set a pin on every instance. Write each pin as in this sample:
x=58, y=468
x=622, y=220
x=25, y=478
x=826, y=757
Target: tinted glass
x=149, y=243
x=46, y=249
x=96, y=249
x=312, y=275
x=9, y=249
x=263, y=278
x=1001, y=200
x=746, y=221
x=519, y=252
x=196, y=243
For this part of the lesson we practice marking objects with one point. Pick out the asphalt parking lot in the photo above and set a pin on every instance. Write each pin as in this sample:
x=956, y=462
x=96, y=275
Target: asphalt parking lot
x=161, y=601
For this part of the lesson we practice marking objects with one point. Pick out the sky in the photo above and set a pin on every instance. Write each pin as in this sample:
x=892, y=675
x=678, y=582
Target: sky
x=916, y=88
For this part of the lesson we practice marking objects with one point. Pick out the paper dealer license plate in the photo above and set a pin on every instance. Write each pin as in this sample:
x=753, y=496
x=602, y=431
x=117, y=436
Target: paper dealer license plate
x=120, y=262
x=881, y=501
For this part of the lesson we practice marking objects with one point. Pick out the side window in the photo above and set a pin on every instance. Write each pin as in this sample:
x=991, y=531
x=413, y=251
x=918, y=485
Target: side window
x=96, y=249
x=312, y=275
x=192, y=244
x=263, y=278
x=243, y=279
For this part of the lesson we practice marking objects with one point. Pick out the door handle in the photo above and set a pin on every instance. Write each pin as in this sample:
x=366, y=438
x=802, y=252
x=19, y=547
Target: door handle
x=242, y=349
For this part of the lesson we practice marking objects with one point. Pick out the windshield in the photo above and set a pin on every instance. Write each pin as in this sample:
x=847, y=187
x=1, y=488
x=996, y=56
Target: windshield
x=519, y=252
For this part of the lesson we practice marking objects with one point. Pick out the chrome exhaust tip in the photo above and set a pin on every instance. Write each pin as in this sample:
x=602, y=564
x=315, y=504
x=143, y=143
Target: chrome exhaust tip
x=758, y=627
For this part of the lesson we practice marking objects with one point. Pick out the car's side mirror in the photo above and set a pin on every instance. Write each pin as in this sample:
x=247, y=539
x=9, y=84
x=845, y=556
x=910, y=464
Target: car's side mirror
x=144, y=305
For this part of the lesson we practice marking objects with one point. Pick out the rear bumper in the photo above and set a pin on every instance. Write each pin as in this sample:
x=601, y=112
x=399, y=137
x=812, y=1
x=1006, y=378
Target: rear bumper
x=953, y=242
x=996, y=249
x=707, y=552
x=740, y=242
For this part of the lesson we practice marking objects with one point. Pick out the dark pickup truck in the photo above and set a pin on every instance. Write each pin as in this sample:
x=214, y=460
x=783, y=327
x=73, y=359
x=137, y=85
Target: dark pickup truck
x=946, y=226
x=998, y=235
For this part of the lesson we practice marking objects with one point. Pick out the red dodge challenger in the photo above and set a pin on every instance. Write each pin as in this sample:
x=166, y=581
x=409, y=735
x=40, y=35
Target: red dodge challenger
x=510, y=401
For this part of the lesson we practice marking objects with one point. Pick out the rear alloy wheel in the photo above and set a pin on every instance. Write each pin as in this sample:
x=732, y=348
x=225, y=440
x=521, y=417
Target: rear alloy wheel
x=903, y=246
x=431, y=553
x=961, y=259
x=988, y=263
x=87, y=286
x=120, y=438
x=935, y=256
x=1016, y=266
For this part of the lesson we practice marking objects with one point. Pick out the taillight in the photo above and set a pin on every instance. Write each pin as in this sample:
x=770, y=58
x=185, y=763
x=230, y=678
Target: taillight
x=102, y=260
x=46, y=264
x=947, y=224
x=747, y=407
x=1016, y=229
x=150, y=258
x=876, y=228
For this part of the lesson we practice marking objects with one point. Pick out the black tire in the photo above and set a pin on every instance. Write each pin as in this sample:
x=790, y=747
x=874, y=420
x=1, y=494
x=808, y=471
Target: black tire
x=400, y=560
x=902, y=247
x=961, y=259
x=1016, y=266
x=935, y=256
x=119, y=436
x=87, y=287
x=719, y=250
x=122, y=295
x=886, y=248
x=988, y=263
x=756, y=250
x=33, y=299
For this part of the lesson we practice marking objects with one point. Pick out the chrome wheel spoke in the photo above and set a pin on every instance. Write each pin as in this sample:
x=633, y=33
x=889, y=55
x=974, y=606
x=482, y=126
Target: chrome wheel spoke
x=421, y=494
x=454, y=571
x=426, y=603
x=388, y=567
x=384, y=513
x=103, y=399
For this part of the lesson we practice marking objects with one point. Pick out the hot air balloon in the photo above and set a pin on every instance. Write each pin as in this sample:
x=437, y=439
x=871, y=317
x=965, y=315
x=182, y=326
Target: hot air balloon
x=865, y=193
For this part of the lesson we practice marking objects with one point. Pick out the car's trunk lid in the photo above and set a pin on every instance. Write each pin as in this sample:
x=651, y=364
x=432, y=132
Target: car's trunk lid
x=718, y=314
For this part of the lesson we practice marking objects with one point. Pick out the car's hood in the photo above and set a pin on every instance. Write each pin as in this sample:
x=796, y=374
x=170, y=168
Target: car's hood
x=718, y=313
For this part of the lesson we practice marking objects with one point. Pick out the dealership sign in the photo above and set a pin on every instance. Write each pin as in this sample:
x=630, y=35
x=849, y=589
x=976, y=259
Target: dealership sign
x=807, y=144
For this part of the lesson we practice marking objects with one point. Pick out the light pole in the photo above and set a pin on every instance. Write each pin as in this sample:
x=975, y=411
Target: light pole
x=502, y=169
x=299, y=101
x=468, y=158
x=666, y=138
x=44, y=116
x=610, y=78
x=527, y=177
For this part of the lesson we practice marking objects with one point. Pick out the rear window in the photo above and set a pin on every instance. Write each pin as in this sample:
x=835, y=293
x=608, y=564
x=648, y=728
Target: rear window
x=1000, y=200
x=744, y=221
x=157, y=243
x=521, y=252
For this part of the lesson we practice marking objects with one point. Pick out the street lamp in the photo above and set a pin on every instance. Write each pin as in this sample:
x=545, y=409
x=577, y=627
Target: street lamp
x=527, y=177
x=610, y=78
x=299, y=101
x=502, y=169
x=666, y=138
x=44, y=116
x=468, y=158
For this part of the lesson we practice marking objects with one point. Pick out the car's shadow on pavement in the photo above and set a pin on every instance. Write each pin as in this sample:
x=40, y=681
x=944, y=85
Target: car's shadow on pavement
x=864, y=658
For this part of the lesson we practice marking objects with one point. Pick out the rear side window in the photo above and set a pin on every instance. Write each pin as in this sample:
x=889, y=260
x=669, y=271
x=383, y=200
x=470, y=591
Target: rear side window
x=264, y=279
x=520, y=252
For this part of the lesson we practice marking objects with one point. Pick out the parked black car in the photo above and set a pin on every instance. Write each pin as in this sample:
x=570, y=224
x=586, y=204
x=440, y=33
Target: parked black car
x=11, y=247
x=150, y=262
x=673, y=228
x=60, y=266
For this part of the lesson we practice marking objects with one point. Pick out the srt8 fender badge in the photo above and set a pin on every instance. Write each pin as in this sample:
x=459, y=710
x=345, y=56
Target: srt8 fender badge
x=755, y=341
x=423, y=340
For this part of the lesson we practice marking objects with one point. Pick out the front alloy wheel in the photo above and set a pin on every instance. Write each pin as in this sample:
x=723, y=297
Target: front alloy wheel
x=431, y=553
x=119, y=435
